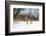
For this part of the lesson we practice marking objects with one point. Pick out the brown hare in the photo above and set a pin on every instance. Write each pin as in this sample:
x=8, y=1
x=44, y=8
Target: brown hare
x=28, y=18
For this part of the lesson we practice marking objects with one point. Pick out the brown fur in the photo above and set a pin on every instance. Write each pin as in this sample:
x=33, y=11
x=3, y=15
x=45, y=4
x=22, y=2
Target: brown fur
x=28, y=18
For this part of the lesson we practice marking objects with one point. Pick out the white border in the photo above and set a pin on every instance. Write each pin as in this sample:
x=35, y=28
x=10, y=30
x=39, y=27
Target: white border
x=24, y=6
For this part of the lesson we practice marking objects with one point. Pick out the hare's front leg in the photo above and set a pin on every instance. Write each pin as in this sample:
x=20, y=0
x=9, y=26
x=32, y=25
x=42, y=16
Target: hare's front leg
x=27, y=22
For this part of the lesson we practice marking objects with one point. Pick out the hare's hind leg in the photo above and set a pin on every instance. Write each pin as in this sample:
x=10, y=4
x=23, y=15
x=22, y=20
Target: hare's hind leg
x=31, y=22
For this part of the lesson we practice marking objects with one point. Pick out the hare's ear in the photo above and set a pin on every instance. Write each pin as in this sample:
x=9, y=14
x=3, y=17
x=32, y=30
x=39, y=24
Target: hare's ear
x=28, y=16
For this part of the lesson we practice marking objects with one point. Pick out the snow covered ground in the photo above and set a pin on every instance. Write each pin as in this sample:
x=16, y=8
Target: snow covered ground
x=23, y=26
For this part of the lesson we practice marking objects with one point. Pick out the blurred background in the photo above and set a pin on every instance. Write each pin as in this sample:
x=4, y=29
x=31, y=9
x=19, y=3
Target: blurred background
x=21, y=13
